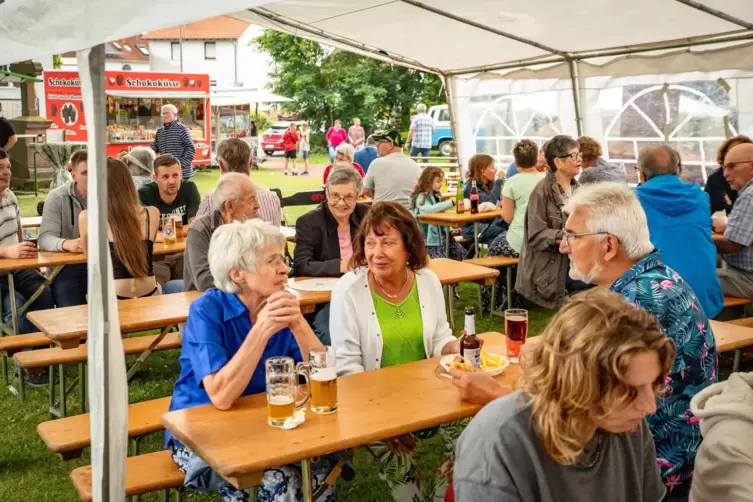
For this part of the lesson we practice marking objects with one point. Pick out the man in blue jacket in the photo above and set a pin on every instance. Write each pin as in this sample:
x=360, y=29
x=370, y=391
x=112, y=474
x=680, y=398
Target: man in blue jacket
x=679, y=223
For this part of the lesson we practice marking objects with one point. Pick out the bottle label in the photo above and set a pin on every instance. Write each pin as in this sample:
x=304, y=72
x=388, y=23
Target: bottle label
x=470, y=325
x=474, y=196
x=474, y=356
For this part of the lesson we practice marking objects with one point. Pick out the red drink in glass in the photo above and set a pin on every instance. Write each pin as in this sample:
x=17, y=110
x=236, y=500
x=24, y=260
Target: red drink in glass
x=516, y=329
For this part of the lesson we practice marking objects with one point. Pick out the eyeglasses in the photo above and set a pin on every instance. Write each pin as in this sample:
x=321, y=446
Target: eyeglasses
x=572, y=156
x=569, y=236
x=335, y=198
x=732, y=165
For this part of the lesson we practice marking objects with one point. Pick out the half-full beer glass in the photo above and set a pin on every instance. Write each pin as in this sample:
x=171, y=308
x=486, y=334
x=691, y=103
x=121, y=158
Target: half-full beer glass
x=323, y=377
x=282, y=389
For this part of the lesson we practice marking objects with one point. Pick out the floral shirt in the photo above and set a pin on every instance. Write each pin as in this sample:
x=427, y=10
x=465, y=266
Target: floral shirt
x=659, y=290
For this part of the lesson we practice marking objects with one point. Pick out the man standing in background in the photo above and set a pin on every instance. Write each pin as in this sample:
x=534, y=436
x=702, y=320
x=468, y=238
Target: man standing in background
x=175, y=138
x=356, y=134
x=421, y=132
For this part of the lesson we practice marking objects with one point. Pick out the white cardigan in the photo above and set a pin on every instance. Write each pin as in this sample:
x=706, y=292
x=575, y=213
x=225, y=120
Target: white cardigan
x=355, y=330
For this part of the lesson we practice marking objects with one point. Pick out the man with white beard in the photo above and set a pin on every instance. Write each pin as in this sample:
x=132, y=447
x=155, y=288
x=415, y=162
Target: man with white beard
x=607, y=238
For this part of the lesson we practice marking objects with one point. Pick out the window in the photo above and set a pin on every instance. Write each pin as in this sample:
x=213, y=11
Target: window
x=212, y=83
x=444, y=116
x=175, y=51
x=127, y=48
x=143, y=50
x=210, y=50
x=126, y=67
x=117, y=46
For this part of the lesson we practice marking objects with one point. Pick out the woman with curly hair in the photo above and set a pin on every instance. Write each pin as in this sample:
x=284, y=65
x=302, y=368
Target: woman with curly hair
x=576, y=428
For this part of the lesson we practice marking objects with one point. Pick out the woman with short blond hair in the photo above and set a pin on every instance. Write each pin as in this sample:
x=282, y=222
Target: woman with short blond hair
x=576, y=428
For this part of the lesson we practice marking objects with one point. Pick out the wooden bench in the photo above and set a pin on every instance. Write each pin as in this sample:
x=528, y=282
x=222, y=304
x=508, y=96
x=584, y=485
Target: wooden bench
x=143, y=474
x=68, y=436
x=498, y=262
x=60, y=357
x=733, y=301
x=9, y=345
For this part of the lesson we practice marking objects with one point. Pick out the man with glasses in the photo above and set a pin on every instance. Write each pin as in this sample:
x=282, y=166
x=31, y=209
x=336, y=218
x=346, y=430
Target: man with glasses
x=393, y=176
x=234, y=200
x=736, y=247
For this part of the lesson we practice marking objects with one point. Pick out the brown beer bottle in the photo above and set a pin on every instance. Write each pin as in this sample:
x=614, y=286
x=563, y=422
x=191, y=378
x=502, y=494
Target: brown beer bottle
x=470, y=345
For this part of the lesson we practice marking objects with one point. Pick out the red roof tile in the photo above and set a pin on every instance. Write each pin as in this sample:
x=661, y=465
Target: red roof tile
x=216, y=28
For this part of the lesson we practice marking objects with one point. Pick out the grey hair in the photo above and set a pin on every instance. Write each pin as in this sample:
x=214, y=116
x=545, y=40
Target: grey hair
x=344, y=176
x=421, y=108
x=229, y=188
x=235, y=245
x=614, y=208
x=347, y=150
x=370, y=140
x=655, y=160
x=140, y=161
x=170, y=107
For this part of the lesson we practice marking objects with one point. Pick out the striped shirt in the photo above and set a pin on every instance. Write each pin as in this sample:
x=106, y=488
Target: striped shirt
x=269, y=206
x=10, y=218
x=423, y=130
x=175, y=138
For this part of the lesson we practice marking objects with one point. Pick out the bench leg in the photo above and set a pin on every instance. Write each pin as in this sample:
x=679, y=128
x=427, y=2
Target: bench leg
x=18, y=312
x=509, y=287
x=59, y=411
x=493, y=306
x=135, y=445
x=451, y=303
x=82, y=385
x=306, y=486
x=51, y=389
x=132, y=371
x=13, y=313
x=736, y=361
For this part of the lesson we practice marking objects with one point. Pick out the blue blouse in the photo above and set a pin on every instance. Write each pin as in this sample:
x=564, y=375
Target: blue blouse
x=218, y=323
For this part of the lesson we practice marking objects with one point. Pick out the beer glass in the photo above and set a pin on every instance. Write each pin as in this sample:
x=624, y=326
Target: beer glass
x=31, y=234
x=323, y=377
x=282, y=388
x=516, y=329
x=178, y=220
x=167, y=224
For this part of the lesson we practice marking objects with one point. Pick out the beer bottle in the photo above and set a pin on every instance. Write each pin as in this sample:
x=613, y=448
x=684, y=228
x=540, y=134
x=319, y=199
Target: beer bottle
x=459, y=198
x=474, y=197
x=470, y=345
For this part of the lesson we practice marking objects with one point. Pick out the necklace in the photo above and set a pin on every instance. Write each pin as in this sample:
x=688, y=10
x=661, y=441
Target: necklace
x=385, y=292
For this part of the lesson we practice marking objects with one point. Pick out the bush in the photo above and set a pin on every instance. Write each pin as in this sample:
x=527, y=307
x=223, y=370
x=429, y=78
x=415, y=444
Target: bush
x=263, y=122
x=317, y=142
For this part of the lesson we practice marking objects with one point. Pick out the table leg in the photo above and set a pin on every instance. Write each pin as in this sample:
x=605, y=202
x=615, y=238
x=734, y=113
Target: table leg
x=509, y=287
x=13, y=313
x=736, y=361
x=132, y=371
x=475, y=239
x=16, y=313
x=451, y=303
x=448, y=232
x=306, y=485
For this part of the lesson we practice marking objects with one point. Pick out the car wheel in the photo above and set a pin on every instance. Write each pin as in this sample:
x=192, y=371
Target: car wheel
x=269, y=152
x=445, y=148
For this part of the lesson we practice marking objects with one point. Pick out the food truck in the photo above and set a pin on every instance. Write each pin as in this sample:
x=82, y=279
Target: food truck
x=134, y=103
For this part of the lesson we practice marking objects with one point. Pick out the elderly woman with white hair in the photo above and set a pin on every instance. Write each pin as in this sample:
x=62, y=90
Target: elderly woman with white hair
x=231, y=331
x=344, y=155
x=140, y=162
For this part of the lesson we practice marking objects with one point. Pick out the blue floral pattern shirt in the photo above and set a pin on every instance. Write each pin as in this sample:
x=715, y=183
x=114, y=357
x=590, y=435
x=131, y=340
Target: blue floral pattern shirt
x=659, y=290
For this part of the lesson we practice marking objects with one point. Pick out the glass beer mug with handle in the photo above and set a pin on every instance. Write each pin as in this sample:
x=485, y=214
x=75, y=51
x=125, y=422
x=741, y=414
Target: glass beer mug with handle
x=322, y=367
x=282, y=389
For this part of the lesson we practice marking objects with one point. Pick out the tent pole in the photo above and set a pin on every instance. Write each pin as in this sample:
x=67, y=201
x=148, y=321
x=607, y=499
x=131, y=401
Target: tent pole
x=717, y=13
x=449, y=93
x=575, y=84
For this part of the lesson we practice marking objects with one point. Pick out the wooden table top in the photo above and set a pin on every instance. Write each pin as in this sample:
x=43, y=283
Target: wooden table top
x=162, y=249
x=44, y=259
x=731, y=336
x=373, y=406
x=31, y=222
x=369, y=200
x=453, y=219
x=66, y=326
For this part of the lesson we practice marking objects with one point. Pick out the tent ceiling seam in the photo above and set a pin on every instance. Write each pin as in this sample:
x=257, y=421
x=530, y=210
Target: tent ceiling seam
x=717, y=13
x=295, y=25
x=440, y=12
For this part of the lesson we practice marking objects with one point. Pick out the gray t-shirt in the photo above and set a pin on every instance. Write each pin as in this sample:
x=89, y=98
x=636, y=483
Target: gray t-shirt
x=393, y=178
x=500, y=458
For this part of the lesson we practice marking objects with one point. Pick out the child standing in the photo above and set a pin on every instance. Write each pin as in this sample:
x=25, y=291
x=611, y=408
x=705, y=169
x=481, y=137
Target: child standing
x=304, y=146
x=427, y=198
x=289, y=143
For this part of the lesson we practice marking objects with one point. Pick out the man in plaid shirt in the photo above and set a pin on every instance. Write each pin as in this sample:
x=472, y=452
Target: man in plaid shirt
x=175, y=138
x=736, y=247
x=421, y=132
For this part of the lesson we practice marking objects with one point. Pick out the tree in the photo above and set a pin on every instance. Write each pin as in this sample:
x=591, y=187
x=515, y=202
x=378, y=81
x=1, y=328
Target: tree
x=330, y=84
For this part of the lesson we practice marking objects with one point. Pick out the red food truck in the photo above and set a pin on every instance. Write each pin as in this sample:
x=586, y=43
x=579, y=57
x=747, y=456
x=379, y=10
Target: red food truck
x=134, y=102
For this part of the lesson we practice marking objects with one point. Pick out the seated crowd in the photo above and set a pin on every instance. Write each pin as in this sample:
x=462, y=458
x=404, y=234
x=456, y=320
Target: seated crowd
x=616, y=394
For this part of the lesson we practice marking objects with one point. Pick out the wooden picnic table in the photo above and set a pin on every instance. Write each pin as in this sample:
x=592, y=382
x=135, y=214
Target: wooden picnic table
x=453, y=219
x=162, y=249
x=732, y=336
x=372, y=406
x=31, y=222
x=368, y=200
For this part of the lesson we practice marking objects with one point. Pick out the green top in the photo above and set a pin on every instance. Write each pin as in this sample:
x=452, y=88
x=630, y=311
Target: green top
x=402, y=329
x=519, y=188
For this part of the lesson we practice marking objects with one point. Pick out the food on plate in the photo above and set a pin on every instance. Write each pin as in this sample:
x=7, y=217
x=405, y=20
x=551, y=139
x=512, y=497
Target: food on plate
x=490, y=361
x=461, y=363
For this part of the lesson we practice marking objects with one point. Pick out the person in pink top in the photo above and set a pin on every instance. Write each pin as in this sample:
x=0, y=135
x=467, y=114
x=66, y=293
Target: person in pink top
x=356, y=134
x=335, y=136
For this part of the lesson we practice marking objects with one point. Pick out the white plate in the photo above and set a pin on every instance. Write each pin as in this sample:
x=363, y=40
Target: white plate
x=313, y=284
x=446, y=360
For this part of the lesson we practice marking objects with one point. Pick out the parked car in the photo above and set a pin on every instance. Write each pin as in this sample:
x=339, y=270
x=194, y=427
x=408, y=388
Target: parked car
x=271, y=139
x=442, y=138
